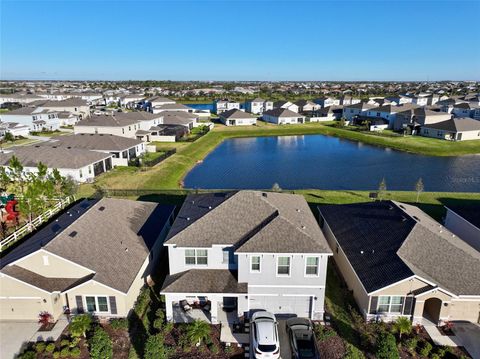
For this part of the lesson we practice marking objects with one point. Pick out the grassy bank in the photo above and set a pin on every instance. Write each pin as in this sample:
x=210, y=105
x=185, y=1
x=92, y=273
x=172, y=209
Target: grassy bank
x=169, y=174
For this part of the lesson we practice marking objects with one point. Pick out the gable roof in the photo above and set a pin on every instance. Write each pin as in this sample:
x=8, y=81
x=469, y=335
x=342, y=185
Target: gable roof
x=386, y=242
x=282, y=112
x=251, y=221
x=118, y=119
x=235, y=113
x=98, y=142
x=111, y=237
x=458, y=124
x=52, y=156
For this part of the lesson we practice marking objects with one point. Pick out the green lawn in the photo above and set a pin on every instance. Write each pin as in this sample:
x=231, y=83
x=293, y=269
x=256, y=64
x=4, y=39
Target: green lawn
x=19, y=142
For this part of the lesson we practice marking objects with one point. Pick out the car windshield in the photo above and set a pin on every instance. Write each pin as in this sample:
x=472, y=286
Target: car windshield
x=267, y=348
x=306, y=348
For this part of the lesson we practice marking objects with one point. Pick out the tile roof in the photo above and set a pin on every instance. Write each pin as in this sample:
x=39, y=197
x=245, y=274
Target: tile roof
x=251, y=221
x=203, y=281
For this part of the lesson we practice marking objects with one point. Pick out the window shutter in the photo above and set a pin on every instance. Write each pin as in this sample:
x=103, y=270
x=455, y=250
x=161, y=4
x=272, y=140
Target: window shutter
x=78, y=299
x=373, y=305
x=407, y=309
x=113, y=305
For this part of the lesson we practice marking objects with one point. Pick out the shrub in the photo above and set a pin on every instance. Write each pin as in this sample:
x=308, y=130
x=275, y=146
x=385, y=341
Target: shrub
x=40, y=347
x=402, y=325
x=28, y=355
x=56, y=355
x=387, y=347
x=44, y=318
x=197, y=331
x=155, y=348
x=80, y=325
x=322, y=333
x=121, y=323
x=426, y=349
x=65, y=352
x=75, y=352
x=64, y=342
x=132, y=353
x=50, y=348
x=101, y=346
x=142, y=302
x=74, y=342
x=435, y=356
x=353, y=352
x=159, y=322
x=411, y=345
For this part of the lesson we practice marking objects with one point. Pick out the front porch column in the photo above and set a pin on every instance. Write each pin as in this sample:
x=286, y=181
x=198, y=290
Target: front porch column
x=169, y=308
x=214, y=311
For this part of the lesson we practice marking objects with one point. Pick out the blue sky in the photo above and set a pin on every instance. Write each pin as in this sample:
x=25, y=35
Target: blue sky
x=239, y=40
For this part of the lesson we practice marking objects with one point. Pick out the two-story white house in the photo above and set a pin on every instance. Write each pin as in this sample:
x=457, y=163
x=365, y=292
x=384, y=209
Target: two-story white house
x=359, y=109
x=245, y=251
x=220, y=106
x=37, y=119
x=258, y=106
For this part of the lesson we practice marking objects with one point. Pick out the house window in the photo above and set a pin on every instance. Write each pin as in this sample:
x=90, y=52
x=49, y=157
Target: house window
x=96, y=304
x=81, y=173
x=390, y=304
x=255, y=264
x=196, y=257
x=226, y=256
x=311, y=266
x=378, y=114
x=283, y=266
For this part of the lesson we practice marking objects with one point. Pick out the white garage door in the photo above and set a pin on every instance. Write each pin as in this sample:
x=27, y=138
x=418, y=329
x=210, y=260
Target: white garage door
x=280, y=304
x=20, y=309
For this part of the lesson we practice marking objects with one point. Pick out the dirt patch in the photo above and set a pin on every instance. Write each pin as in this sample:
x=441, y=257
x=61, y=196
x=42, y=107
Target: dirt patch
x=120, y=340
x=333, y=347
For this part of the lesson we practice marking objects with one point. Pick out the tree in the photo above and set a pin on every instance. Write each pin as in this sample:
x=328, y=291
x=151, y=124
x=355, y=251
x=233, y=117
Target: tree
x=15, y=169
x=401, y=326
x=387, y=347
x=197, y=331
x=382, y=188
x=80, y=325
x=419, y=187
x=4, y=178
x=342, y=122
x=9, y=137
x=101, y=346
x=276, y=187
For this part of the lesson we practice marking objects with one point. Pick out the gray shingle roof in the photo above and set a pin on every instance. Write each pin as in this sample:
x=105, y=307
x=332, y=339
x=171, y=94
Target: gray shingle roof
x=203, y=281
x=282, y=112
x=118, y=119
x=234, y=113
x=95, y=142
x=252, y=221
x=52, y=157
x=459, y=124
x=113, y=239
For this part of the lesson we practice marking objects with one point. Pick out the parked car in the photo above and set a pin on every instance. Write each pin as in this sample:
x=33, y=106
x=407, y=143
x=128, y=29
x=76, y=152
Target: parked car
x=302, y=338
x=265, y=342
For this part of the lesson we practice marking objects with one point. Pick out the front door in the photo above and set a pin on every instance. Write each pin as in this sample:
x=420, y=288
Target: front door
x=431, y=309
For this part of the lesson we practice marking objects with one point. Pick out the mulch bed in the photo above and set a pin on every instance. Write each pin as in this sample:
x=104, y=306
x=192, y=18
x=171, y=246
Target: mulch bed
x=332, y=348
x=120, y=340
x=47, y=327
x=445, y=330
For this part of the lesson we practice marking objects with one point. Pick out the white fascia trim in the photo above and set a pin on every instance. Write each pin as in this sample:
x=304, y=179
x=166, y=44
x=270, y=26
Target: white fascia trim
x=434, y=289
x=205, y=294
x=20, y=298
x=311, y=254
x=391, y=285
x=94, y=282
x=27, y=284
x=284, y=286
x=263, y=295
x=298, y=295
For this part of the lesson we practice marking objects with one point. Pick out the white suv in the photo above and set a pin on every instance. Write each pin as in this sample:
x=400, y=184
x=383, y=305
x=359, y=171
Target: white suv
x=265, y=342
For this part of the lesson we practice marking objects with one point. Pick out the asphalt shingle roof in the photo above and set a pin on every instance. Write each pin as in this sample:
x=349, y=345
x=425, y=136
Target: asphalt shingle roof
x=98, y=142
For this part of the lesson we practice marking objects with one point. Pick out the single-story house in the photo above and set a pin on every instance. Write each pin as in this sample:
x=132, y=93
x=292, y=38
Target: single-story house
x=282, y=116
x=398, y=261
x=236, y=117
x=172, y=107
x=122, y=149
x=455, y=129
x=464, y=221
x=95, y=257
x=16, y=129
x=415, y=118
x=79, y=164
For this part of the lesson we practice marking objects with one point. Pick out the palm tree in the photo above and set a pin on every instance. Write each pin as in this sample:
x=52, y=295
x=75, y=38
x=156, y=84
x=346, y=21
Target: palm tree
x=402, y=325
x=197, y=331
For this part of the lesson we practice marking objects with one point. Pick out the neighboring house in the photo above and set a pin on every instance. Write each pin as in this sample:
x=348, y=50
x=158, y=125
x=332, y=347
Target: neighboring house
x=182, y=118
x=348, y=100
x=157, y=101
x=307, y=107
x=74, y=105
x=131, y=101
x=388, y=112
x=397, y=261
x=282, y=116
x=122, y=149
x=29, y=116
x=329, y=113
x=92, y=98
x=417, y=117
x=81, y=165
x=286, y=105
x=465, y=110
x=399, y=100
x=67, y=118
x=220, y=106
x=23, y=99
x=95, y=258
x=258, y=106
x=172, y=107
x=327, y=101
x=237, y=118
x=464, y=221
x=455, y=129
x=125, y=124
x=357, y=110
x=257, y=250
x=16, y=129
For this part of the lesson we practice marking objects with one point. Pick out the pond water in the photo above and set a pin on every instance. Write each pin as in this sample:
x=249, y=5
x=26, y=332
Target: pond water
x=323, y=162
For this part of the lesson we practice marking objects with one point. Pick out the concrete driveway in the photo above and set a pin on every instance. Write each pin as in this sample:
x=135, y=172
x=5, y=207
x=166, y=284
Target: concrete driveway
x=469, y=337
x=285, y=349
x=14, y=335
